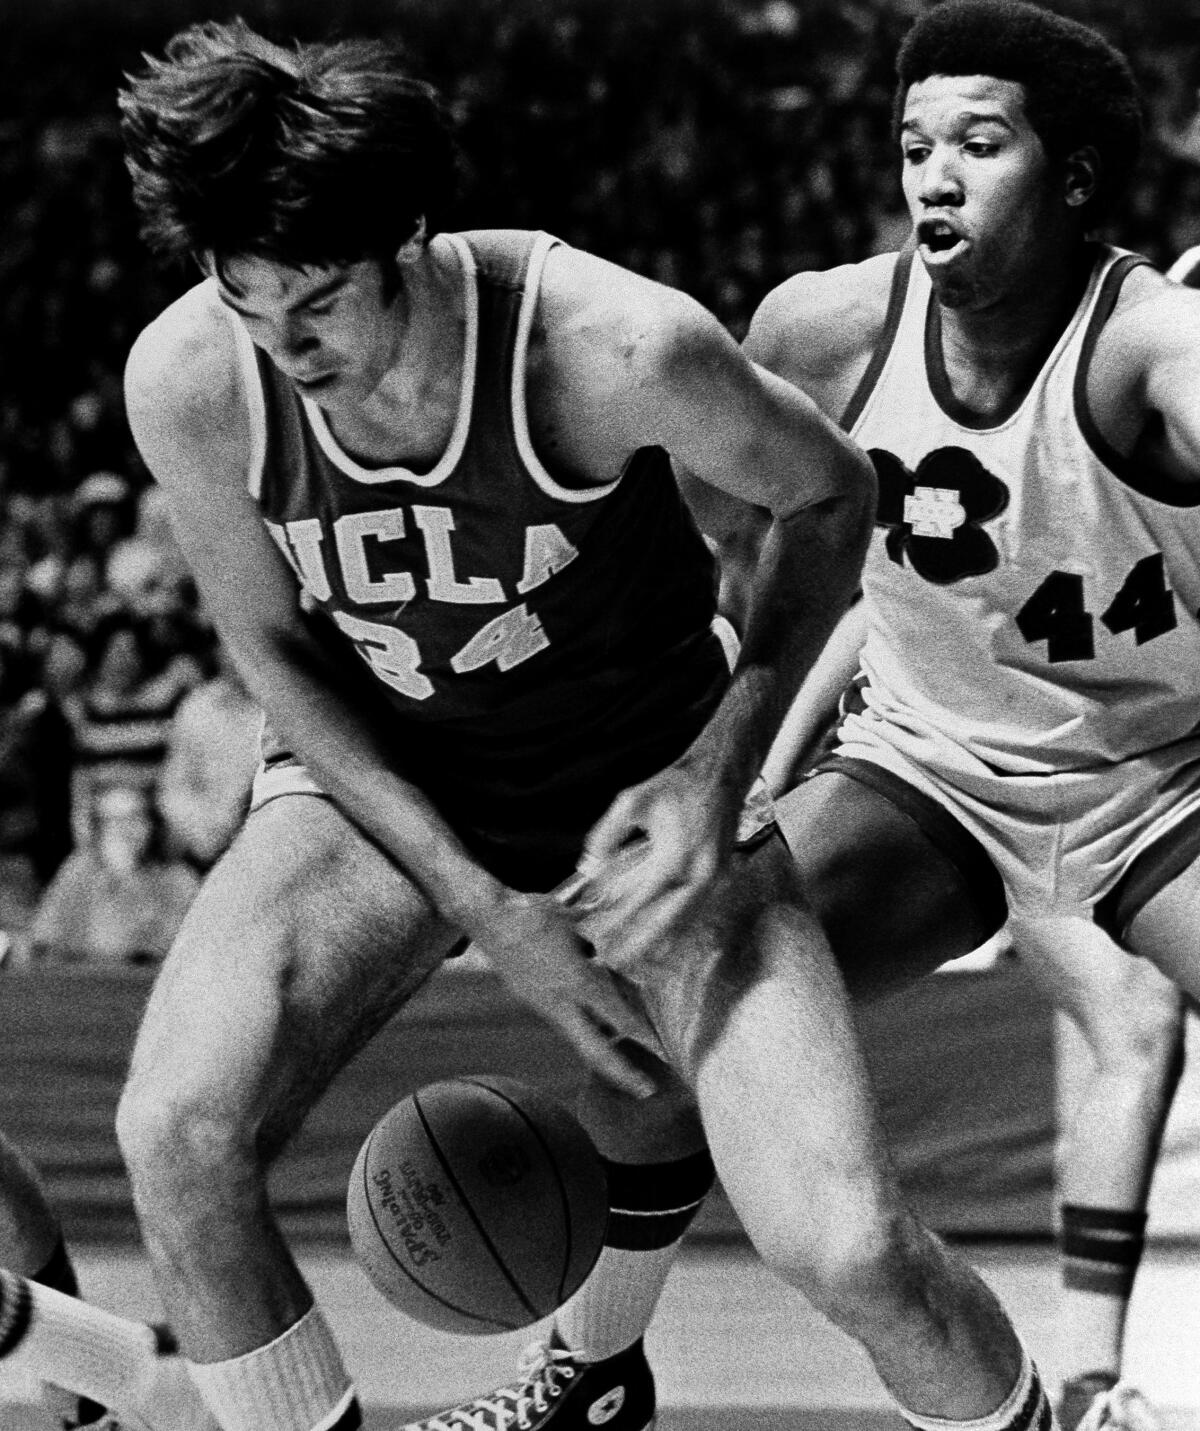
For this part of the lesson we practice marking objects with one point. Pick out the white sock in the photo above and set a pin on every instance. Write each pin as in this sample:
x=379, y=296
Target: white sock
x=295, y=1383
x=66, y=1341
x=1025, y=1408
x=651, y=1206
x=614, y=1306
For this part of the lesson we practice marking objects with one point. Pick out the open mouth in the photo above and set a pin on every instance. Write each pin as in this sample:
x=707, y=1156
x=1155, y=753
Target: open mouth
x=939, y=239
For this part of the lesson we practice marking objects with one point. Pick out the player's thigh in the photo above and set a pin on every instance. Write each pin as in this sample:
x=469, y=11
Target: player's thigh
x=898, y=890
x=1166, y=929
x=302, y=942
x=756, y=1015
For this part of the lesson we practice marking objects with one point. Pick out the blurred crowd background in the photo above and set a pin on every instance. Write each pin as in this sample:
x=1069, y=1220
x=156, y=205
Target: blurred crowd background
x=716, y=145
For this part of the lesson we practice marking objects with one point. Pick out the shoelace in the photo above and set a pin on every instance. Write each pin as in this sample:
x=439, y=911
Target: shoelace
x=542, y=1368
x=1123, y=1407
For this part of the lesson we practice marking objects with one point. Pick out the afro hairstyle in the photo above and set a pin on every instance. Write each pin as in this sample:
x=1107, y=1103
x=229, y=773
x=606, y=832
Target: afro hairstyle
x=1079, y=88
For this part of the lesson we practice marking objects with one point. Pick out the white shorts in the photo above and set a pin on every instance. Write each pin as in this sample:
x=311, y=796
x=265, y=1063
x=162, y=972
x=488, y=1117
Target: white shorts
x=1060, y=842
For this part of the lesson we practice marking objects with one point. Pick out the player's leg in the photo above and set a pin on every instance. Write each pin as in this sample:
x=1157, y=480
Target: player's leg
x=659, y=1173
x=110, y=1358
x=898, y=885
x=302, y=943
x=31, y=1240
x=593, y=1366
x=1131, y=1019
x=755, y=1014
x=945, y=900
x=1157, y=907
x=32, y=1245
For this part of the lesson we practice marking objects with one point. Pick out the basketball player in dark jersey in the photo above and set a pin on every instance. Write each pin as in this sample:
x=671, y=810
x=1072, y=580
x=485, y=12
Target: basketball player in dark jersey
x=1024, y=729
x=424, y=480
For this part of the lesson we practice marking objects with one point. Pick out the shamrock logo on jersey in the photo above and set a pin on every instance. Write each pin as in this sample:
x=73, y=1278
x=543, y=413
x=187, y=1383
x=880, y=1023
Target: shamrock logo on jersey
x=933, y=515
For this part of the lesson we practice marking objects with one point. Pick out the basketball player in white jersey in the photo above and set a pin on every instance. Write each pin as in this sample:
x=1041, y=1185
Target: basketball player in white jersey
x=1032, y=593
x=1025, y=733
x=1130, y=1018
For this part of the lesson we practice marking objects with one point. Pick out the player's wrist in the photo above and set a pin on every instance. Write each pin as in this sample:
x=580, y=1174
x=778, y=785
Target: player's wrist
x=723, y=766
x=477, y=902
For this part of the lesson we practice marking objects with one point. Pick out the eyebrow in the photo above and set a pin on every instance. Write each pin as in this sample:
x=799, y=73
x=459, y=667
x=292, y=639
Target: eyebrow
x=965, y=117
x=323, y=290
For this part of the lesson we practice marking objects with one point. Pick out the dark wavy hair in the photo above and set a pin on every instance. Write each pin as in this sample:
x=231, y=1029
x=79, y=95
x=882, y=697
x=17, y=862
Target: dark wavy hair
x=1079, y=89
x=311, y=154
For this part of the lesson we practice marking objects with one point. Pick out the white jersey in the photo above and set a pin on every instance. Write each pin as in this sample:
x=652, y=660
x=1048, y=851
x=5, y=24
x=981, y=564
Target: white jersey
x=1032, y=595
x=1186, y=268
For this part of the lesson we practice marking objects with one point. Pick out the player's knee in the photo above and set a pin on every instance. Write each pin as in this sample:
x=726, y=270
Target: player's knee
x=178, y=1138
x=664, y=1126
x=861, y=1253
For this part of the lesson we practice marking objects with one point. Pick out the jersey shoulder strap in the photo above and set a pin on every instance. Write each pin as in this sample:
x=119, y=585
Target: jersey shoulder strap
x=891, y=324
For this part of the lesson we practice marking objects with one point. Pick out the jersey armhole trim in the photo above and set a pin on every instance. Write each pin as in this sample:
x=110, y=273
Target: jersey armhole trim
x=1122, y=468
x=891, y=323
x=542, y=245
x=256, y=403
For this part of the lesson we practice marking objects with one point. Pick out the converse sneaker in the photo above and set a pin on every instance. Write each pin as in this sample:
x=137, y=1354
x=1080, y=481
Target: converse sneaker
x=1078, y=1393
x=559, y=1392
x=1120, y=1408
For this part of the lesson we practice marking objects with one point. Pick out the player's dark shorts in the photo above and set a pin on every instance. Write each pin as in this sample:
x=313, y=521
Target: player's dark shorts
x=530, y=864
x=523, y=800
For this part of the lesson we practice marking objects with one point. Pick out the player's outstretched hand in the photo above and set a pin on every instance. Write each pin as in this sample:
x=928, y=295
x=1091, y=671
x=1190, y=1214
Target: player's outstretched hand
x=647, y=867
x=535, y=949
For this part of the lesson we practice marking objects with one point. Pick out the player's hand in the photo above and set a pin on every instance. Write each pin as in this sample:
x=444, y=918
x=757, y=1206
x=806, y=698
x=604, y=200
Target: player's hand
x=535, y=949
x=647, y=867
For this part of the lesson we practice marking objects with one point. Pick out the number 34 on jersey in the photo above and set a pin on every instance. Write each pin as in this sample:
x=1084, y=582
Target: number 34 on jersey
x=394, y=655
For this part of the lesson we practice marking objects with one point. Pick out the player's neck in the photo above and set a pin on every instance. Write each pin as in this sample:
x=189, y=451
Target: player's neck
x=409, y=416
x=993, y=353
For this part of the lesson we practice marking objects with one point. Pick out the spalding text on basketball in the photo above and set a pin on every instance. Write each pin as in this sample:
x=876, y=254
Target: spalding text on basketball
x=413, y=1209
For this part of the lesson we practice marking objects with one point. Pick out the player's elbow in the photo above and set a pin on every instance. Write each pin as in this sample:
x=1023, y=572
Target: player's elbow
x=858, y=503
x=845, y=514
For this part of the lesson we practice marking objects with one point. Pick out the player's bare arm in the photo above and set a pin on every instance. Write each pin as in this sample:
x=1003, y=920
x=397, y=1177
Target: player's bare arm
x=818, y=330
x=1145, y=376
x=190, y=418
x=655, y=369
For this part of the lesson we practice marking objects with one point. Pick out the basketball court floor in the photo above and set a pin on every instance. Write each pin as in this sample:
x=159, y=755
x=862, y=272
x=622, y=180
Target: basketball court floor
x=733, y=1349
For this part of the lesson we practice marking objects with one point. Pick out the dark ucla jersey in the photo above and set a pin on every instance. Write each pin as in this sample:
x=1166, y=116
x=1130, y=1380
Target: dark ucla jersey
x=539, y=643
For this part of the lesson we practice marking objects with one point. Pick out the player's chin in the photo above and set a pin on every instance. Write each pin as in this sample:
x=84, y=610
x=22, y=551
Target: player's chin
x=954, y=287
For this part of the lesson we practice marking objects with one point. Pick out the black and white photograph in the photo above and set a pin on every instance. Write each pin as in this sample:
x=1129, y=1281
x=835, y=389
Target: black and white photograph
x=599, y=715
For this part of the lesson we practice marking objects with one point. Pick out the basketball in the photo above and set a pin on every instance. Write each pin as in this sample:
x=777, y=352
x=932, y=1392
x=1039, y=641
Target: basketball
x=477, y=1205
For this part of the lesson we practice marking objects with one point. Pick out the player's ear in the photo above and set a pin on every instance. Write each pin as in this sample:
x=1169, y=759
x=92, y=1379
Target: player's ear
x=1081, y=176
